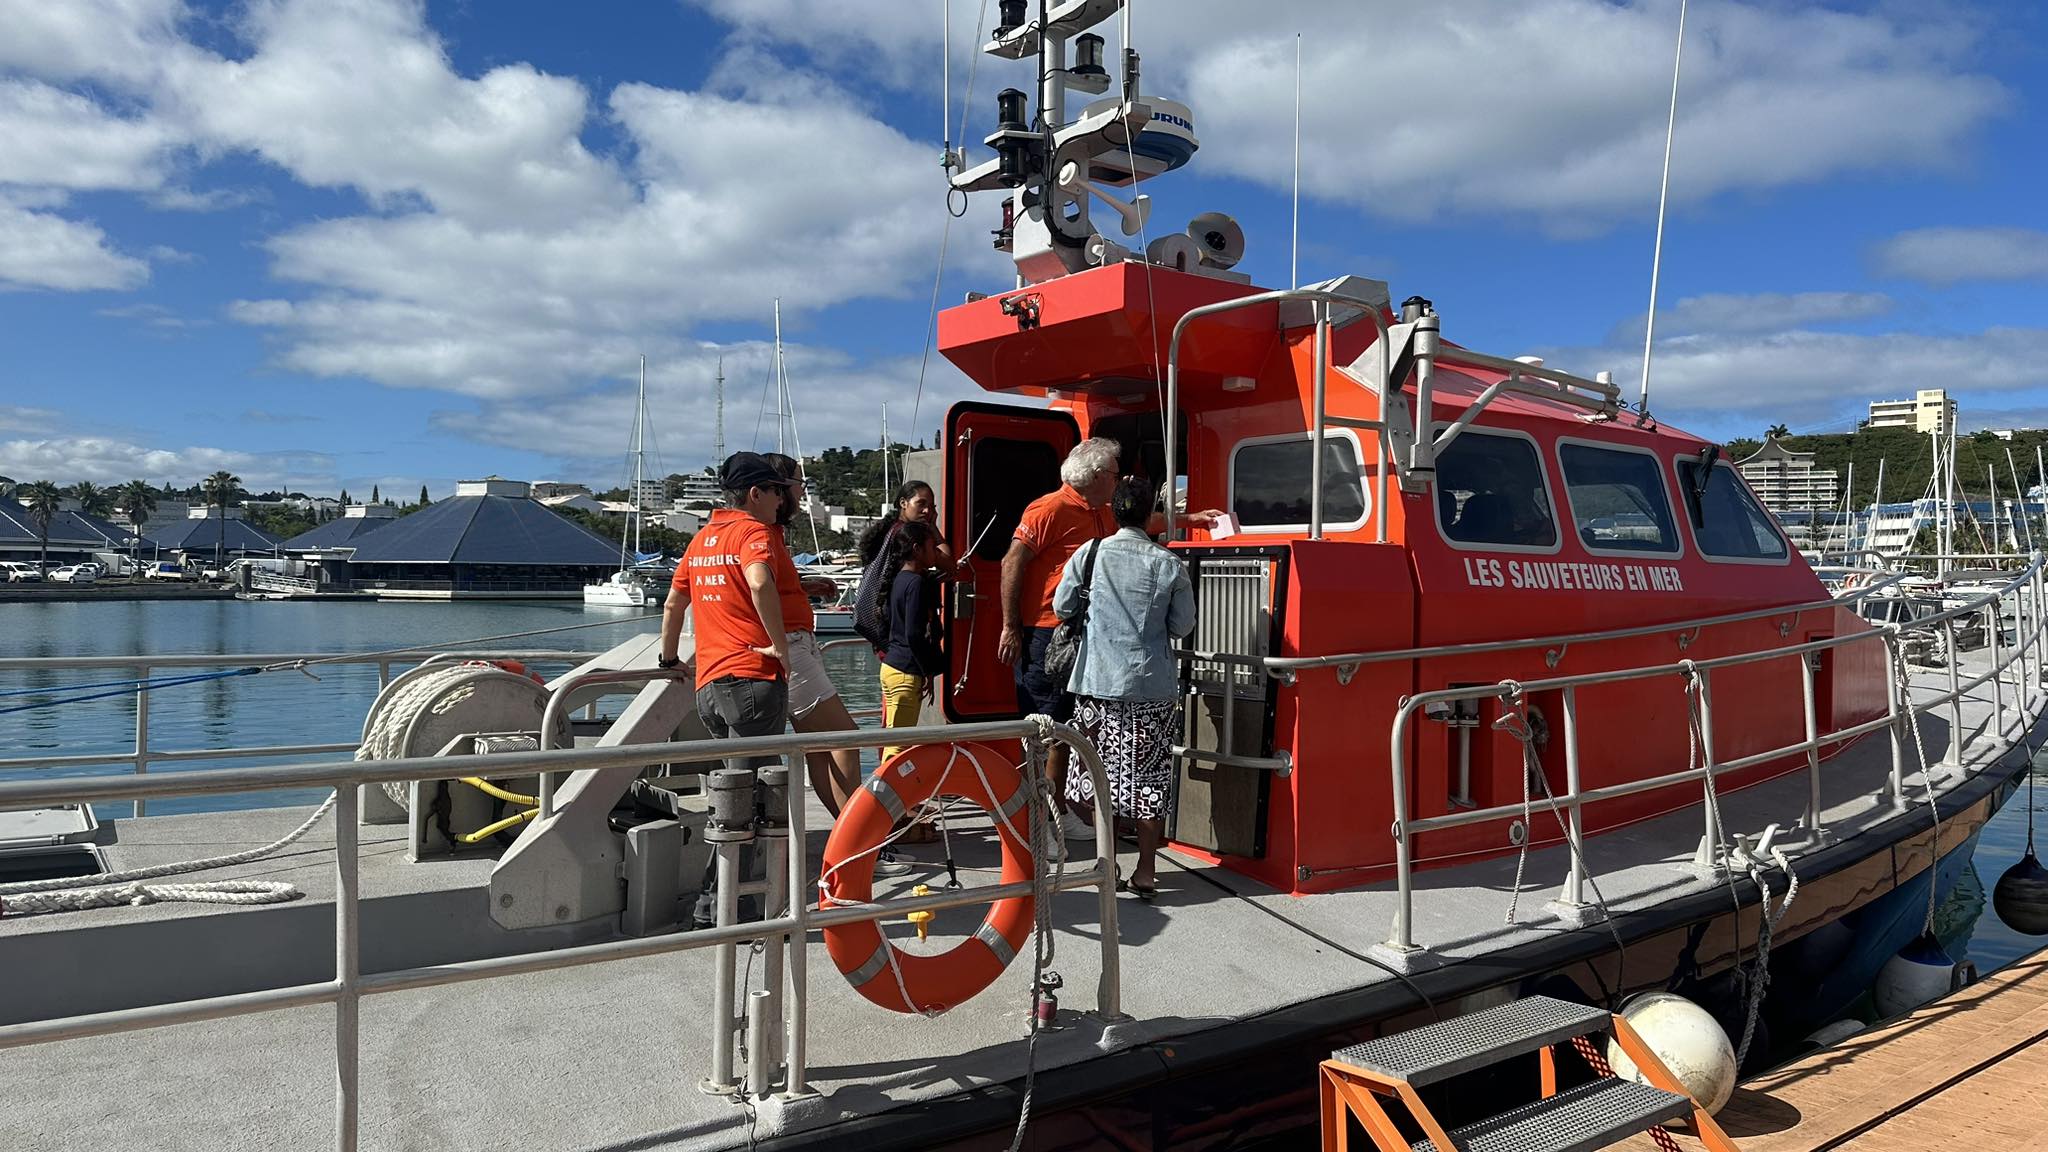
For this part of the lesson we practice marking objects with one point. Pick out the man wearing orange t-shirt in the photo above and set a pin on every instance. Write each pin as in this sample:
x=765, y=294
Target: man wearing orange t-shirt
x=726, y=583
x=1052, y=528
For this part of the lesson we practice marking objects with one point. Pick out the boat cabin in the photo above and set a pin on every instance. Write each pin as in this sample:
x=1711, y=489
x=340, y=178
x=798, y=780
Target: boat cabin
x=1540, y=507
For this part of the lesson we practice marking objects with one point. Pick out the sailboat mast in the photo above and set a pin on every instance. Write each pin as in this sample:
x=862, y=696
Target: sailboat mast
x=718, y=407
x=781, y=387
x=885, y=457
x=639, y=459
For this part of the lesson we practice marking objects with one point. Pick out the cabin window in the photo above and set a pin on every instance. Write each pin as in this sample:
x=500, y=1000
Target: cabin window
x=1618, y=499
x=1726, y=519
x=1269, y=483
x=1490, y=491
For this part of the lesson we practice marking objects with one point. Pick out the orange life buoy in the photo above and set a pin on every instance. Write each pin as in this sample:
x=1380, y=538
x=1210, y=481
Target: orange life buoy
x=512, y=666
x=902, y=981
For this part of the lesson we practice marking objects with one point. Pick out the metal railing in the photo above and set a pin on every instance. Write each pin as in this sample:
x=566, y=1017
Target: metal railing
x=144, y=753
x=788, y=931
x=2025, y=657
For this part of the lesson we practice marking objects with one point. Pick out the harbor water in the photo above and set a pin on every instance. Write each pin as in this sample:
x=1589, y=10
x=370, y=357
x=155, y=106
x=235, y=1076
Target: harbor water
x=44, y=713
x=49, y=713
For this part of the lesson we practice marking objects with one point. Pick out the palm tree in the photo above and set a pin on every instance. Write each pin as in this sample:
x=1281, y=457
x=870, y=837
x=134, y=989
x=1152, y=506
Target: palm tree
x=222, y=489
x=1777, y=432
x=43, y=501
x=93, y=500
x=136, y=500
x=6, y=486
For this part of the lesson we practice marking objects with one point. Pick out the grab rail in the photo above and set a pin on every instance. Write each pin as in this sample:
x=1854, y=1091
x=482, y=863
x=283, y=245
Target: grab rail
x=790, y=931
x=2025, y=586
x=144, y=753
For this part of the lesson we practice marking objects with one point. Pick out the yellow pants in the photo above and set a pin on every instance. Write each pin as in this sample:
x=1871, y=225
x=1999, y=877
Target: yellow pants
x=902, y=700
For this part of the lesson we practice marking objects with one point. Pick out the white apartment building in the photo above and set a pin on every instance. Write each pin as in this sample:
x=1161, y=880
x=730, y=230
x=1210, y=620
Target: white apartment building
x=700, y=486
x=1788, y=481
x=1930, y=410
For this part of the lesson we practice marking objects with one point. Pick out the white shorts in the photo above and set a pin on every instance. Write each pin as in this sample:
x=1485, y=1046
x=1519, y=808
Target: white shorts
x=809, y=686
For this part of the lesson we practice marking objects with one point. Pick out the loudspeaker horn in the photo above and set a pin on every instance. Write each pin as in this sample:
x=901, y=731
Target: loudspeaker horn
x=1219, y=239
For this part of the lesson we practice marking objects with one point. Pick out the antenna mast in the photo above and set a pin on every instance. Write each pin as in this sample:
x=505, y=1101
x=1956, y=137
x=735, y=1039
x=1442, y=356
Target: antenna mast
x=1663, y=193
x=1294, y=257
x=718, y=406
x=884, y=501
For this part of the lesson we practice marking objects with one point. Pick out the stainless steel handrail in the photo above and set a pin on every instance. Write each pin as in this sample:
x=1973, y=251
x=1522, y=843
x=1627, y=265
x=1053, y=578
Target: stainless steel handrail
x=2026, y=586
x=144, y=753
x=348, y=987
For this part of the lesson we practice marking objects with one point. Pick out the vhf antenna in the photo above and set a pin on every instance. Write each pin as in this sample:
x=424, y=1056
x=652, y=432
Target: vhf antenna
x=718, y=406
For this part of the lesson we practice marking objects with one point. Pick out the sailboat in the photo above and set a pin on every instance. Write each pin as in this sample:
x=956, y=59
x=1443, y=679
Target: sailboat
x=635, y=584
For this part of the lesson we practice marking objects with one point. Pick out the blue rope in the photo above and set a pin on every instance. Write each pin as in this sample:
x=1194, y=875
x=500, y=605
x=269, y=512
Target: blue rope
x=120, y=688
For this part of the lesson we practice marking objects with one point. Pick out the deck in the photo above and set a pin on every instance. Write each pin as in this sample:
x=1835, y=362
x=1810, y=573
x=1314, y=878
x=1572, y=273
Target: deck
x=1969, y=1071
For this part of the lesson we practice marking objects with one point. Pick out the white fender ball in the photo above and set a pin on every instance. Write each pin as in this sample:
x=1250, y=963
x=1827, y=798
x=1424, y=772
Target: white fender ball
x=1686, y=1038
x=1921, y=972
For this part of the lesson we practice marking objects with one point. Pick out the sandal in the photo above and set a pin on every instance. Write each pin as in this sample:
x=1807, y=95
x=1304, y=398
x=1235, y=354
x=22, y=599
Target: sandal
x=1145, y=892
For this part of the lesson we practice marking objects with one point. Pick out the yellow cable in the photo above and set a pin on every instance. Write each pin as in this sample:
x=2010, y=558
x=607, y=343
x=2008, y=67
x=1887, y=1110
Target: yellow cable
x=490, y=789
x=490, y=830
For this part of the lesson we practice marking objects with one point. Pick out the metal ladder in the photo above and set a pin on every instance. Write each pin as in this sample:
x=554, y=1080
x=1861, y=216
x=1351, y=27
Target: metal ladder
x=1356, y=1082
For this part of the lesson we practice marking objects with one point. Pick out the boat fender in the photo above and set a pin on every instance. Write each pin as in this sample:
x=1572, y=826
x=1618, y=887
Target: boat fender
x=1686, y=1038
x=1829, y=1035
x=2021, y=897
x=1922, y=971
x=879, y=970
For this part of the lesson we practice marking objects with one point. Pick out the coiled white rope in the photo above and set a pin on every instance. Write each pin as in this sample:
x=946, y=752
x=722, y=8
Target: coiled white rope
x=74, y=893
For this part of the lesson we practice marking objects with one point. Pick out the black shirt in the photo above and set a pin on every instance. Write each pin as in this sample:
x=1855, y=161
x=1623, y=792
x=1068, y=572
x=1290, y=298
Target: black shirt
x=914, y=629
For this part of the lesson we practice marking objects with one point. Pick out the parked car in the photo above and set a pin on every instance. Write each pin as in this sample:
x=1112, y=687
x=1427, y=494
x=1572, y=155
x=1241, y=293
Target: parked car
x=164, y=570
x=20, y=572
x=75, y=574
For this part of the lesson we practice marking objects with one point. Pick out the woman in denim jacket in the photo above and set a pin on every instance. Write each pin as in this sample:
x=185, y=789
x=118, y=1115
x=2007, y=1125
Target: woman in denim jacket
x=1124, y=681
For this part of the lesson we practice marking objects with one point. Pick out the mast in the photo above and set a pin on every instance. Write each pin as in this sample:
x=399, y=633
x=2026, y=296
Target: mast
x=2019, y=495
x=885, y=458
x=1876, y=506
x=1848, y=520
x=639, y=460
x=1663, y=193
x=718, y=406
x=1991, y=474
x=781, y=386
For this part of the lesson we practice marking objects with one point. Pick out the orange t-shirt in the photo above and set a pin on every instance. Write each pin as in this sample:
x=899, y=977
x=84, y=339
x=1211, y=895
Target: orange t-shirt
x=1054, y=526
x=789, y=588
x=714, y=571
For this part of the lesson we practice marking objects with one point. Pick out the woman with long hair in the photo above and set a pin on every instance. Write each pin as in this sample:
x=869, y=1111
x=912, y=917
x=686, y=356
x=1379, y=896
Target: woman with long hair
x=908, y=596
x=1138, y=600
x=915, y=503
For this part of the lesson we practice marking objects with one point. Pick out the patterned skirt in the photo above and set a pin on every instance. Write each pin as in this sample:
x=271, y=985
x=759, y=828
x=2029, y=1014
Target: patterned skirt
x=1135, y=741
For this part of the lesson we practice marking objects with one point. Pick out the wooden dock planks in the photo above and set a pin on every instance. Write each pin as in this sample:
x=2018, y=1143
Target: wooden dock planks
x=1967, y=1072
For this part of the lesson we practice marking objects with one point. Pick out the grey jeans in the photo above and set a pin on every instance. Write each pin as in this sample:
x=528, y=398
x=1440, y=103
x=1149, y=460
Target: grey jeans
x=732, y=706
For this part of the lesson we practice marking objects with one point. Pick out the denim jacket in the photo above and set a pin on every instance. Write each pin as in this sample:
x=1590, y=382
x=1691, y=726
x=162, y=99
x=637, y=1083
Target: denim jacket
x=1140, y=599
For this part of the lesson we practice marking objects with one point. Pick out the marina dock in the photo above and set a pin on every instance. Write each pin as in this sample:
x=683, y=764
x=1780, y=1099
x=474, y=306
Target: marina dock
x=1967, y=1071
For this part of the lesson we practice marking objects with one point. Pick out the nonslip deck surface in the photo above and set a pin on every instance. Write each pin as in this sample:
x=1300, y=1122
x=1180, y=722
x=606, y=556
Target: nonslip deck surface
x=1967, y=1072
x=609, y=1056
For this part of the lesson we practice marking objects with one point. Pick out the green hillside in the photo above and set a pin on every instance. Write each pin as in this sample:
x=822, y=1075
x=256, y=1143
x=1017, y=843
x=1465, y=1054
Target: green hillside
x=1909, y=462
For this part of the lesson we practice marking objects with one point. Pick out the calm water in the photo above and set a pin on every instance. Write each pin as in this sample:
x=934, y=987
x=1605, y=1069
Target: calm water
x=289, y=708
x=276, y=707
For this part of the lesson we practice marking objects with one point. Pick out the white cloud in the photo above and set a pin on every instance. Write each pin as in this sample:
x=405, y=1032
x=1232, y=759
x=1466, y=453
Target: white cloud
x=1949, y=255
x=43, y=250
x=120, y=42
x=104, y=460
x=58, y=139
x=14, y=418
x=1807, y=377
x=1553, y=109
x=1730, y=314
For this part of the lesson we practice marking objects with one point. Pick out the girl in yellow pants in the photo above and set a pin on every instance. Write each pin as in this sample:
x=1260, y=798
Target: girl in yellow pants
x=909, y=599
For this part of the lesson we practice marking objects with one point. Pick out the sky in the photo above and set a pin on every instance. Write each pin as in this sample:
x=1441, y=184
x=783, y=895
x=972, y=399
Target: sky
x=332, y=244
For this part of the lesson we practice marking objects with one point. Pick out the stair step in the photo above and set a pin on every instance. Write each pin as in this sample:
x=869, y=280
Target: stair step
x=1578, y=1119
x=1440, y=1051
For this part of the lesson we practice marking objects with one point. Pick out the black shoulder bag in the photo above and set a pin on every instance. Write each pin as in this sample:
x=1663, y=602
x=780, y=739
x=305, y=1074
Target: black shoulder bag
x=1065, y=646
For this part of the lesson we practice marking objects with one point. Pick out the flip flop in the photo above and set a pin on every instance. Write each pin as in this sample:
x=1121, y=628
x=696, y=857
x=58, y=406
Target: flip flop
x=1145, y=892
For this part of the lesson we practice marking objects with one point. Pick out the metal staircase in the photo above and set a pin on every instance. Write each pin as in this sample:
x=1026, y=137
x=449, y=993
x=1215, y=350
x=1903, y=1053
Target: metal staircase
x=1358, y=1082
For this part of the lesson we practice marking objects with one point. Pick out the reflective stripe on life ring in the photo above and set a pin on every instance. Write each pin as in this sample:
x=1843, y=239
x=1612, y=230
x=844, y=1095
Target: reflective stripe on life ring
x=987, y=775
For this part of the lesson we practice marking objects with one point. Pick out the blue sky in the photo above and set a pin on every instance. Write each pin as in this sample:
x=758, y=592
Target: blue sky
x=351, y=242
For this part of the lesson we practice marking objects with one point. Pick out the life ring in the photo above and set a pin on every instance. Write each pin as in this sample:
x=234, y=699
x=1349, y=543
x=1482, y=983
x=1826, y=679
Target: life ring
x=902, y=981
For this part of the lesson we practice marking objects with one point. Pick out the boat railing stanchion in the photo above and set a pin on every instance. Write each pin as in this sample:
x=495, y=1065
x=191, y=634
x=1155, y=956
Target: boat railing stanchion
x=141, y=732
x=1997, y=666
x=1894, y=689
x=728, y=831
x=797, y=857
x=1109, y=987
x=774, y=834
x=347, y=965
x=1815, y=829
x=1953, y=757
x=1572, y=907
x=1707, y=862
x=1399, y=949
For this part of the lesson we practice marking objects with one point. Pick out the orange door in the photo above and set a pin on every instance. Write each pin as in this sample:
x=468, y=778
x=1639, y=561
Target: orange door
x=999, y=459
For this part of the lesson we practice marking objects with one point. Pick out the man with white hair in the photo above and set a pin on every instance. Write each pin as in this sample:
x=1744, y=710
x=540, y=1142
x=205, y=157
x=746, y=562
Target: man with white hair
x=1050, y=531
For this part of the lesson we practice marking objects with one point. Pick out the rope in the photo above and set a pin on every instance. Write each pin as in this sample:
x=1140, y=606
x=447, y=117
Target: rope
x=1590, y=1053
x=1905, y=678
x=132, y=681
x=118, y=888
x=1043, y=806
x=133, y=687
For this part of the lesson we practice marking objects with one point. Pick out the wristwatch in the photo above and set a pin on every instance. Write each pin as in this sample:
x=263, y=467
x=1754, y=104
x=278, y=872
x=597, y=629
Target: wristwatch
x=668, y=661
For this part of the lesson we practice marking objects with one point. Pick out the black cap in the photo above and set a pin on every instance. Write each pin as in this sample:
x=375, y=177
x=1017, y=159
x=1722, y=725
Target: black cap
x=743, y=471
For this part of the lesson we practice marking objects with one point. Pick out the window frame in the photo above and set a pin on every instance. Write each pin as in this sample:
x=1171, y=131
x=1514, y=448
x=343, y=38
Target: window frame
x=1364, y=492
x=1678, y=463
x=1672, y=507
x=1549, y=495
